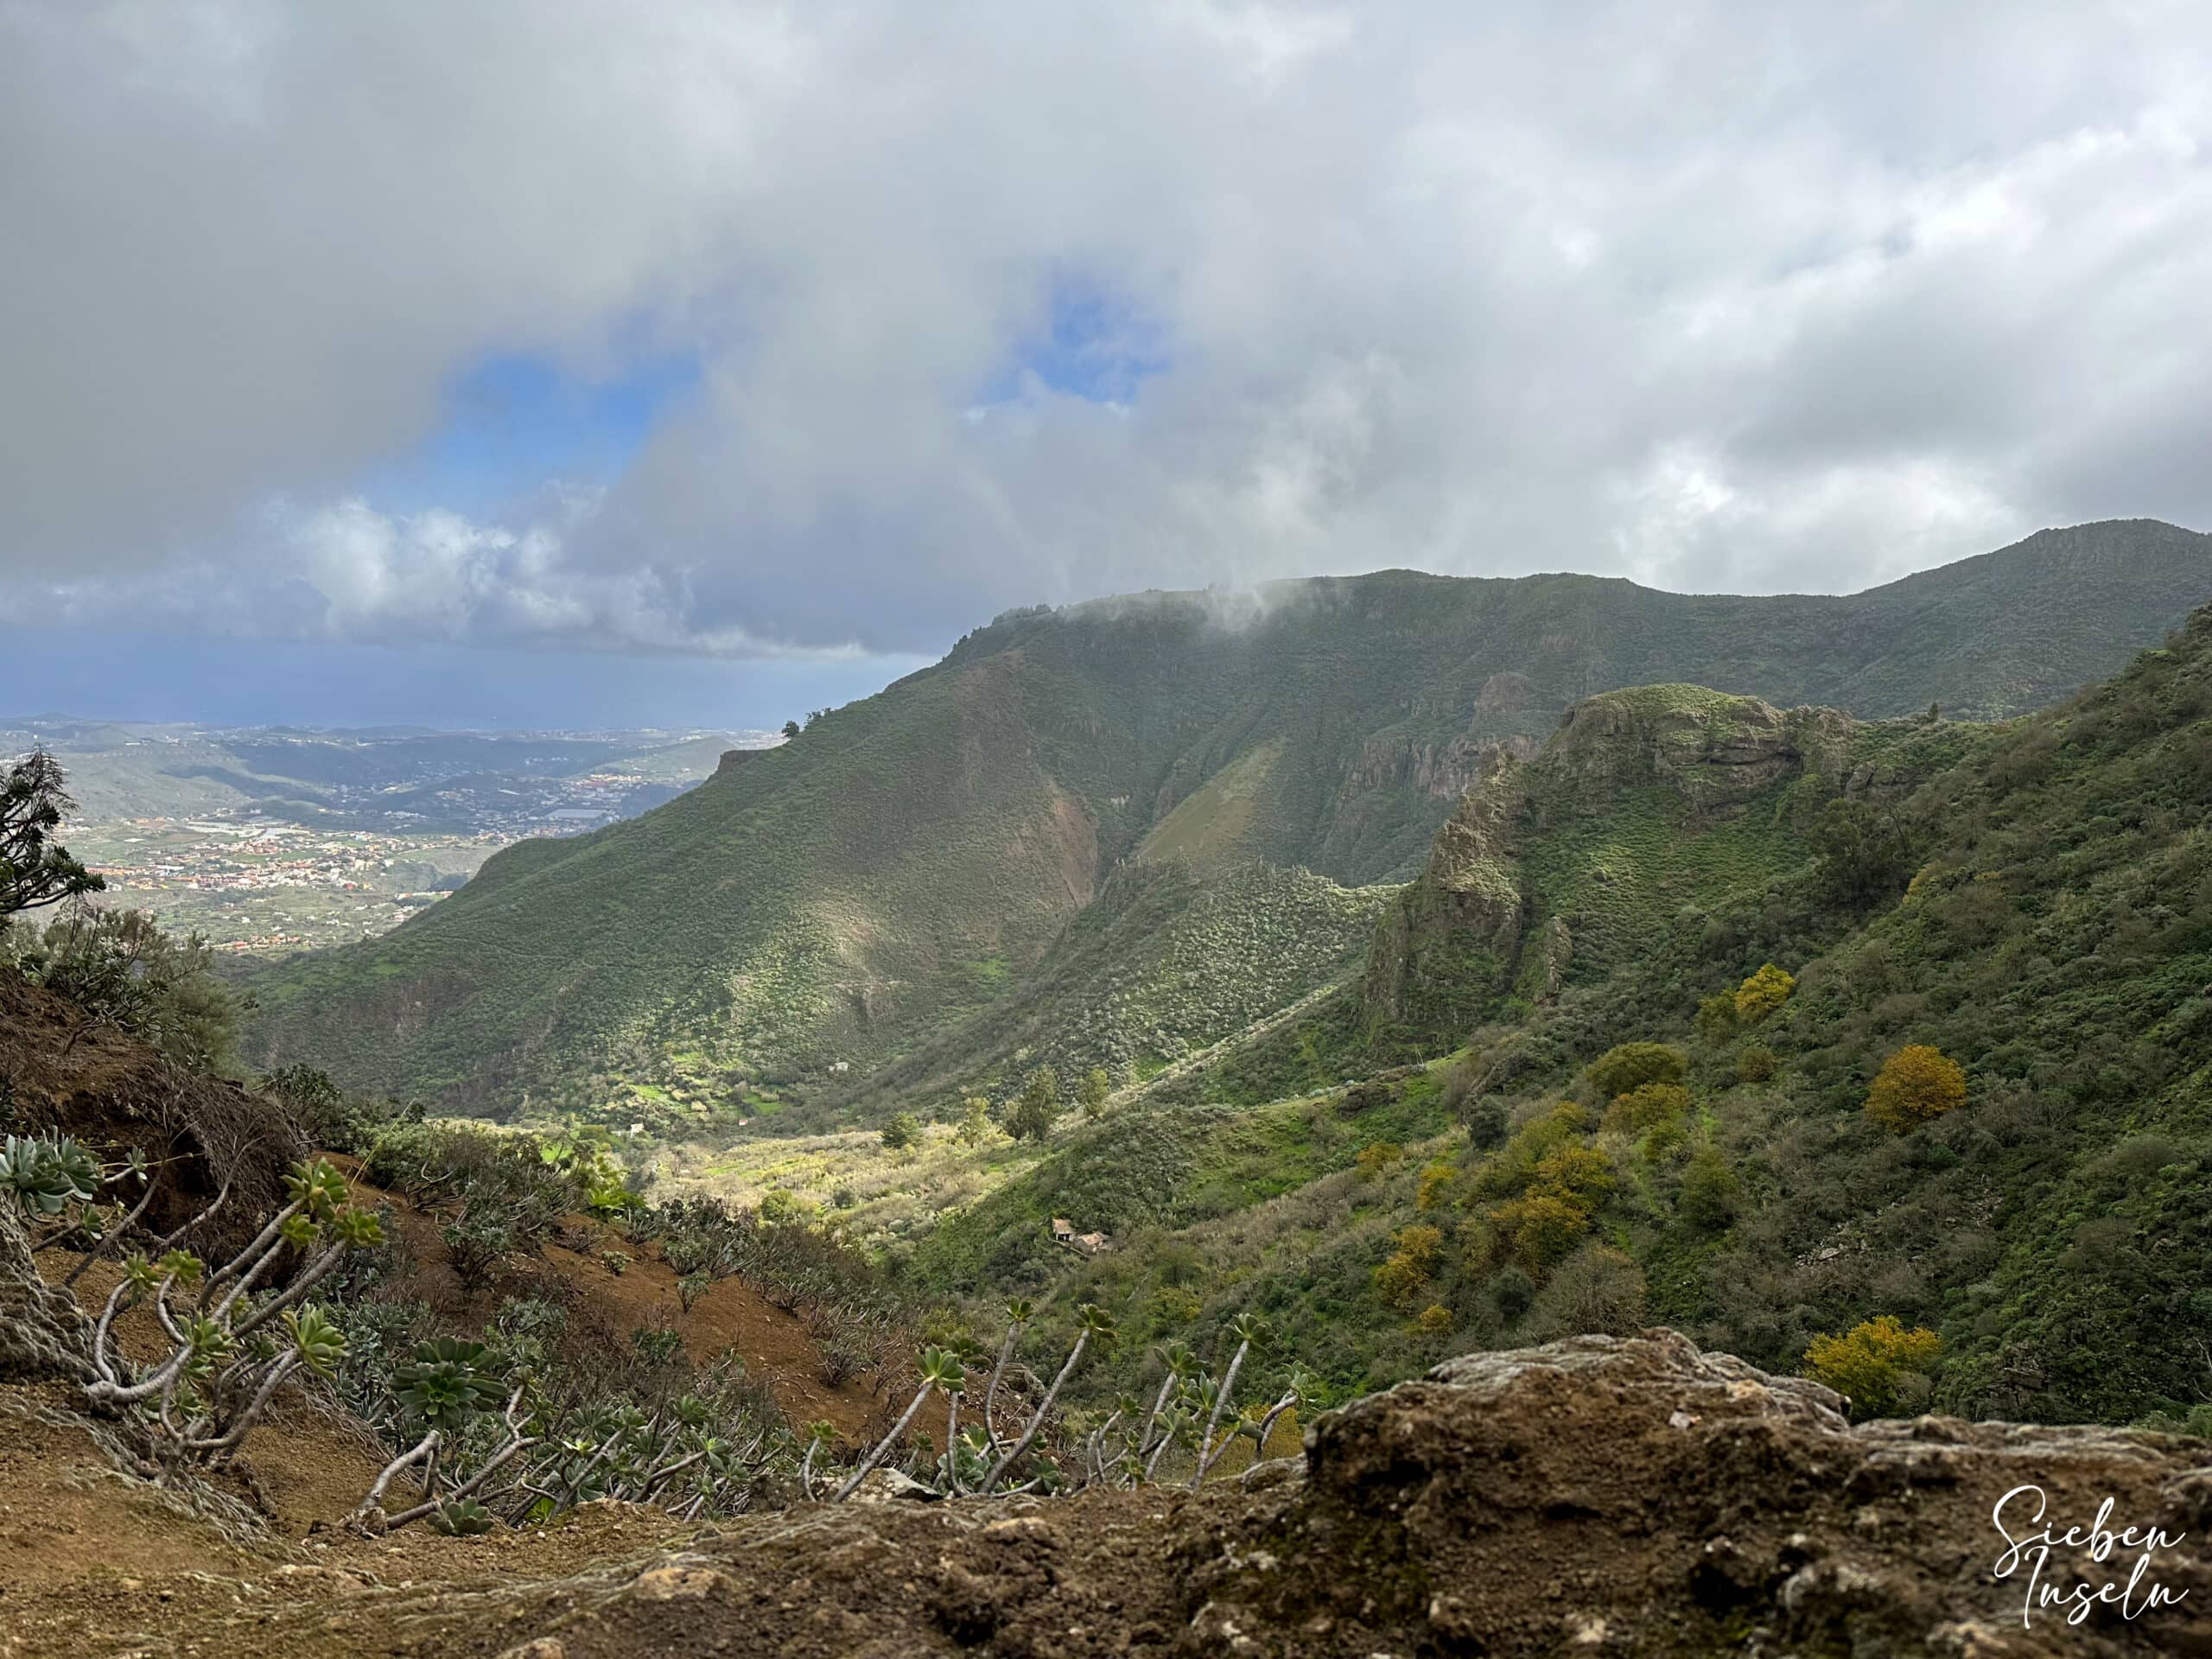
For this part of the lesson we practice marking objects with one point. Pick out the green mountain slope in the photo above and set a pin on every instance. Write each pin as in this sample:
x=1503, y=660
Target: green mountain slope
x=845, y=897
x=1647, y=809
x=2046, y=926
x=1165, y=962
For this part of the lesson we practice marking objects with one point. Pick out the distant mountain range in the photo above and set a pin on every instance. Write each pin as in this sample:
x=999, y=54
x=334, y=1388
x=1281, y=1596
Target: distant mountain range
x=384, y=779
x=909, y=861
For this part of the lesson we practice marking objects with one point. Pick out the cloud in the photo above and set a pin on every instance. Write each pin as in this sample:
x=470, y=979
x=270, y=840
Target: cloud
x=348, y=572
x=992, y=303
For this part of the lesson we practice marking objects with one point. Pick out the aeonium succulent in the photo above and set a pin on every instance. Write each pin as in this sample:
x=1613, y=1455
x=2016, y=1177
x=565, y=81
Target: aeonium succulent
x=319, y=1343
x=317, y=1187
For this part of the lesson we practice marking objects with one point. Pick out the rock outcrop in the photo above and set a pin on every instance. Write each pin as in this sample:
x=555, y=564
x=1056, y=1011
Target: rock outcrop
x=1477, y=924
x=1611, y=1496
x=1714, y=750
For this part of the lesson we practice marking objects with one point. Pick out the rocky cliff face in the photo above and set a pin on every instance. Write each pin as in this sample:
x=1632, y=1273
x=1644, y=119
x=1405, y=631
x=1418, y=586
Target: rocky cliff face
x=1482, y=920
x=1713, y=750
x=1600, y=1495
x=1457, y=930
x=1442, y=771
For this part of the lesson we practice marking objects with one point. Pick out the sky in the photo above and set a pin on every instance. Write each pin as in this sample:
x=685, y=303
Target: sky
x=543, y=362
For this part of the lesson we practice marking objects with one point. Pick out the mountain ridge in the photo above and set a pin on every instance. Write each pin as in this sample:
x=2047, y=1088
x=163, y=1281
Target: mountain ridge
x=843, y=896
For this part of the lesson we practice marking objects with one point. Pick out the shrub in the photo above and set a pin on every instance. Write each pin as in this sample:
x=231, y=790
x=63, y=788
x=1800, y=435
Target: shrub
x=1092, y=1091
x=1916, y=1084
x=1435, y=1320
x=332, y=1118
x=615, y=1260
x=1540, y=1229
x=1595, y=1289
x=1513, y=1292
x=901, y=1132
x=493, y=1172
x=1630, y=1065
x=1459, y=1084
x=1863, y=855
x=1406, y=1274
x=1648, y=1107
x=1880, y=1365
x=779, y=1207
x=1763, y=993
x=1578, y=1176
x=1716, y=1016
x=475, y=1245
x=1711, y=1191
x=122, y=969
x=1515, y=1163
x=1435, y=1188
x=1173, y=1307
x=849, y=1350
x=1486, y=1121
x=1377, y=1156
x=1756, y=1063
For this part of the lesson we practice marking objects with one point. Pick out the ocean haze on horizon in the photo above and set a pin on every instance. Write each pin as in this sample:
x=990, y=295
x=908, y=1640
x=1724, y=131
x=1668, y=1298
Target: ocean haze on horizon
x=159, y=679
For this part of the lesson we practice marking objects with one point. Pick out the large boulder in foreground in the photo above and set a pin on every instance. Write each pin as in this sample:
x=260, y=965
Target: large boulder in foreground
x=1611, y=1496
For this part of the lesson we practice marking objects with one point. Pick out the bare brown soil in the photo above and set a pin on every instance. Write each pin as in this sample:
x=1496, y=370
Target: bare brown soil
x=775, y=1345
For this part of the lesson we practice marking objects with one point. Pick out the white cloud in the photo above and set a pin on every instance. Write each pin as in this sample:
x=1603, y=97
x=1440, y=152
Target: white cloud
x=1715, y=295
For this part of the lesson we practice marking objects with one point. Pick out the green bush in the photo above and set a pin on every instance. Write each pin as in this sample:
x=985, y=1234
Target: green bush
x=1880, y=1365
x=1710, y=1192
x=1630, y=1065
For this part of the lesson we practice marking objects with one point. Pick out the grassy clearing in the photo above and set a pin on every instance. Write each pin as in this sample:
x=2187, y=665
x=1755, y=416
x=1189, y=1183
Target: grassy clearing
x=878, y=1197
x=1213, y=824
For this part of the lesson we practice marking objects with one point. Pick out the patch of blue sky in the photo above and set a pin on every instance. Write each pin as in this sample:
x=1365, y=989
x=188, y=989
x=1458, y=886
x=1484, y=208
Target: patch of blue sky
x=1094, y=345
x=110, y=674
x=515, y=422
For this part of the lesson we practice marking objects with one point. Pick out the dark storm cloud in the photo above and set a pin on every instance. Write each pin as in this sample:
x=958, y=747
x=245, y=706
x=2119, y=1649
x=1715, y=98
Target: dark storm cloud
x=1711, y=296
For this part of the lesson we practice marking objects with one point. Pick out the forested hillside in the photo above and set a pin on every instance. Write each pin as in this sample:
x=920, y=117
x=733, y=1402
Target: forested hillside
x=911, y=856
x=1896, y=1066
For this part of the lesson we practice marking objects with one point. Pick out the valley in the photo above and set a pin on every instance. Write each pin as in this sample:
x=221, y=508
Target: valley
x=1855, y=1062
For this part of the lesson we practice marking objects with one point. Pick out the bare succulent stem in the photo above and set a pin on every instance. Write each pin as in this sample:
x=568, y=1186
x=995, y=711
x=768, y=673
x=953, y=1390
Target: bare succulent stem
x=425, y=1447
x=1208, y=1452
x=991, y=1388
x=113, y=1235
x=1037, y=1421
x=883, y=1446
